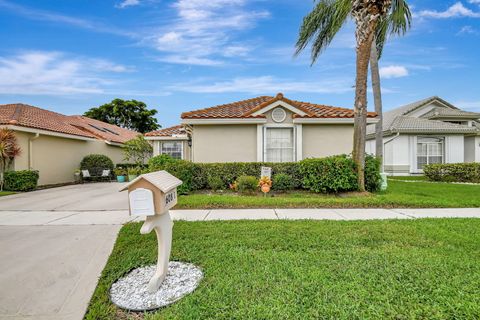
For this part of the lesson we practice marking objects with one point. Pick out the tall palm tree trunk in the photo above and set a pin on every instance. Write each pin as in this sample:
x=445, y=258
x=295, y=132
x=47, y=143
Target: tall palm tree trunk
x=377, y=98
x=360, y=108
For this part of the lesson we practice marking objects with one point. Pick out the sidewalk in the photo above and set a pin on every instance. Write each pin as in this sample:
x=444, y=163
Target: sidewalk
x=119, y=217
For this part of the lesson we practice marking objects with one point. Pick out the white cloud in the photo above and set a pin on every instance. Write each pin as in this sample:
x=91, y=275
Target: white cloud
x=203, y=32
x=266, y=84
x=393, y=72
x=128, y=3
x=454, y=11
x=54, y=73
x=43, y=15
x=474, y=1
x=467, y=30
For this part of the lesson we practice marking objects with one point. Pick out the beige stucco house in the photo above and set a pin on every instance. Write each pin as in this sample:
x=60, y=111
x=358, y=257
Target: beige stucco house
x=272, y=129
x=424, y=132
x=54, y=144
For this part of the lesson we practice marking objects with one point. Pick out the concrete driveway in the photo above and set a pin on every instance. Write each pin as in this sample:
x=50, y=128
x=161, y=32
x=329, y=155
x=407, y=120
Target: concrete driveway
x=54, y=243
x=80, y=197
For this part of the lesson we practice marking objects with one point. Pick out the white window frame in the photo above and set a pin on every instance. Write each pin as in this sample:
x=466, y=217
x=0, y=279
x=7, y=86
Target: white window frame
x=418, y=141
x=279, y=126
x=174, y=141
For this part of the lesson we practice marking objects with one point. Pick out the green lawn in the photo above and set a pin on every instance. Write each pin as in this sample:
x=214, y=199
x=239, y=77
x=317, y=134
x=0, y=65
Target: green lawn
x=6, y=193
x=399, y=194
x=396, y=269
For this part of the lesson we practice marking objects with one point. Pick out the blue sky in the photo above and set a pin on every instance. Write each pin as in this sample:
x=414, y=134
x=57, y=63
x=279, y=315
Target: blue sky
x=181, y=55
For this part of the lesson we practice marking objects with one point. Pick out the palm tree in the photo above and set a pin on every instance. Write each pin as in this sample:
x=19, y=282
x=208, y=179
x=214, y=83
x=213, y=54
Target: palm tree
x=9, y=149
x=397, y=22
x=322, y=24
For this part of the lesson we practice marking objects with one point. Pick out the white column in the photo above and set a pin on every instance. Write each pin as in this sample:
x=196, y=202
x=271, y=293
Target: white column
x=259, y=142
x=299, y=142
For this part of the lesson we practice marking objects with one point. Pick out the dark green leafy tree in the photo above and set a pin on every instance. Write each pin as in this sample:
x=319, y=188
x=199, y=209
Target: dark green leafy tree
x=130, y=114
x=321, y=26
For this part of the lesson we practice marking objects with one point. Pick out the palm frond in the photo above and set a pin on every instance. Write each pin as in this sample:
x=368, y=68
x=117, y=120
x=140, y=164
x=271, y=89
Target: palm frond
x=321, y=25
x=397, y=22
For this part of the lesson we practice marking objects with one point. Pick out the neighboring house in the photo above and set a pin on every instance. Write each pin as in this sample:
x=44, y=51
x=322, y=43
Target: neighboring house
x=54, y=144
x=425, y=132
x=173, y=141
x=273, y=129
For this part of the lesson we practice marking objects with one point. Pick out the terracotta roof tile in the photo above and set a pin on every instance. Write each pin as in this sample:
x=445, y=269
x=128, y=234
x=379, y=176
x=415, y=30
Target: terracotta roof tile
x=167, y=132
x=32, y=117
x=229, y=110
x=246, y=109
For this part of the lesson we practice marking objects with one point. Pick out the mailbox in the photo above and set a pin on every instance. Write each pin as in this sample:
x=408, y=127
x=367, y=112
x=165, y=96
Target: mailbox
x=152, y=193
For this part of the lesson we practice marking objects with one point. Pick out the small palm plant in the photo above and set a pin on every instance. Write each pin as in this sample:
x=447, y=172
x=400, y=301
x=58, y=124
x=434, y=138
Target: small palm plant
x=9, y=149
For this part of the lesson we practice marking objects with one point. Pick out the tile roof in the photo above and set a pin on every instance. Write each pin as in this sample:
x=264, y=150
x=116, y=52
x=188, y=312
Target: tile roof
x=168, y=132
x=453, y=113
x=24, y=115
x=397, y=120
x=411, y=124
x=246, y=109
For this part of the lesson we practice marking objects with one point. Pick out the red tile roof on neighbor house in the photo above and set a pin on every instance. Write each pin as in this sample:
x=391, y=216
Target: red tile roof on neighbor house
x=167, y=132
x=246, y=109
x=24, y=115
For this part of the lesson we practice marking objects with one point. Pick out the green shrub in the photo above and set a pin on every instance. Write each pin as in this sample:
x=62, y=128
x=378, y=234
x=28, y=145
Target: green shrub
x=453, y=172
x=331, y=174
x=96, y=163
x=283, y=182
x=373, y=180
x=129, y=165
x=247, y=184
x=215, y=183
x=134, y=171
x=230, y=172
x=158, y=163
x=24, y=180
x=185, y=171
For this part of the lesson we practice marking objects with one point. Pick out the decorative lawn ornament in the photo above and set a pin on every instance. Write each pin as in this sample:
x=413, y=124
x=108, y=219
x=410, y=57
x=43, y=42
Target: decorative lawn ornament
x=265, y=185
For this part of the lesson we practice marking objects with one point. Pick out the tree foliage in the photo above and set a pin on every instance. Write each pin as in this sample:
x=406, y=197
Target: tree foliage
x=130, y=114
x=9, y=149
x=373, y=18
x=137, y=150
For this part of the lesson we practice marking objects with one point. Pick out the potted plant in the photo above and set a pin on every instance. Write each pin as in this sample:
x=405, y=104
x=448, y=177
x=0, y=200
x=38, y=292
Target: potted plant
x=120, y=173
x=133, y=172
x=77, y=176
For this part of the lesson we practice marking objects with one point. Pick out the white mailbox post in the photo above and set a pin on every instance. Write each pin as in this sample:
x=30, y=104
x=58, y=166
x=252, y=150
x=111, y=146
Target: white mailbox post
x=152, y=195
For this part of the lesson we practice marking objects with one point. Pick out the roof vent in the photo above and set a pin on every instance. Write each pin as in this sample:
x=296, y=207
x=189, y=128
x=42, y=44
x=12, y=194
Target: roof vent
x=278, y=115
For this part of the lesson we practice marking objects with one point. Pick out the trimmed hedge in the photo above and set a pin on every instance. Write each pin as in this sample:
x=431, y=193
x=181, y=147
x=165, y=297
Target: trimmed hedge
x=327, y=175
x=332, y=174
x=453, y=172
x=282, y=182
x=95, y=164
x=23, y=180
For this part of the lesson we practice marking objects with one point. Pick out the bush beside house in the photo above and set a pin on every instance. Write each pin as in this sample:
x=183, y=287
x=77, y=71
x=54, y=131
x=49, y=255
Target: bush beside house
x=453, y=172
x=23, y=180
x=96, y=163
x=331, y=174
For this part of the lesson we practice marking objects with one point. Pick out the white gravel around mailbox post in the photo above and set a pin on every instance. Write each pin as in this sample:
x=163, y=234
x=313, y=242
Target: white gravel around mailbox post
x=130, y=292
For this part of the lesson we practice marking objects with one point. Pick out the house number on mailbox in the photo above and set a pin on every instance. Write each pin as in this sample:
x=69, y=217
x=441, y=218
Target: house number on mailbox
x=169, y=197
